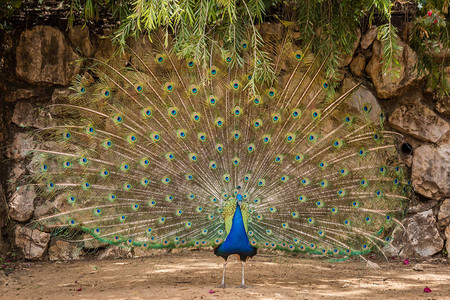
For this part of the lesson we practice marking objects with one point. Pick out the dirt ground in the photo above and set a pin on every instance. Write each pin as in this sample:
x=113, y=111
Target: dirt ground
x=196, y=275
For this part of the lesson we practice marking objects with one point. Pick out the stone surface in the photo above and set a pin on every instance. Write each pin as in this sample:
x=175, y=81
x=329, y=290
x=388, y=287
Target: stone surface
x=387, y=84
x=443, y=106
x=359, y=97
x=60, y=95
x=357, y=65
x=445, y=139
x=419, y=204
x=33, y=243
x=47, y=206
x=106, y=52
x=347, y=59
x=18, y=94
x=61, y=250
x=115, y=252
x=447, y=237
x=27, y=114
x=79, y=36
x=4, y=245
x=421, y=237
x=21, y=206
x=430, y=171
x=369, y=37
x=43, y=56
x=15, y=172
x=416, y=119
x=22, y=142
x=444, y=214
x=105, y=49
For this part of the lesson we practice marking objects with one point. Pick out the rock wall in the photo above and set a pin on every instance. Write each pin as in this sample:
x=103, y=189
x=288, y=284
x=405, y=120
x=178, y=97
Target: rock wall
x=39, y=63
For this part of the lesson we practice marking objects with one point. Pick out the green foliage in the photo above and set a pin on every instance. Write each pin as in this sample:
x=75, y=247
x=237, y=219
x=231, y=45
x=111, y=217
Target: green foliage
x=387, y=34
x=89, y=9
x=7, y=8
x=199, y=26
x=430, y=39
x=329, y=27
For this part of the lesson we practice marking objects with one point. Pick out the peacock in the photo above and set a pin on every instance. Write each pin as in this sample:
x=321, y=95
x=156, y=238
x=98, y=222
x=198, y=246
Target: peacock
x=168, y=152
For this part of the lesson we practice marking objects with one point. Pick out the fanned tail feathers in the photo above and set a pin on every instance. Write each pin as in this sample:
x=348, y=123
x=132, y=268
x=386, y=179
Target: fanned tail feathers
x=151, y=154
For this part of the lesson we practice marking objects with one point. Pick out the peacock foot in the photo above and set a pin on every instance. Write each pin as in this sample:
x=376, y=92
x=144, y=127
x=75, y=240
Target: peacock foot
x=243, y=286
x=222, y=285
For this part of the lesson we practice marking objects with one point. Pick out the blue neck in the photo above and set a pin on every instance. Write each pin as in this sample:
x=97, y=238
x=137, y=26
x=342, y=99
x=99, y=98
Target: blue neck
x=237, y=241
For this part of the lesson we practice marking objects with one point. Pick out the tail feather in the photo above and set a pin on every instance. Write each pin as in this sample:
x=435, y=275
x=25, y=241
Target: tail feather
x=150, y=154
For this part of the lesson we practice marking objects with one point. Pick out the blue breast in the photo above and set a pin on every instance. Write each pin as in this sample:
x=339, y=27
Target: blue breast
x=237, y=241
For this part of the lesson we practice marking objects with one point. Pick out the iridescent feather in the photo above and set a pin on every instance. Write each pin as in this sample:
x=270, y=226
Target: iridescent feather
x=151, y=156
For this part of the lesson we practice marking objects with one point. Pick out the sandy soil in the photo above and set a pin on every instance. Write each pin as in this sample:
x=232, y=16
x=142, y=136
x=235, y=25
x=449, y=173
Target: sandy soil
x=196, y=274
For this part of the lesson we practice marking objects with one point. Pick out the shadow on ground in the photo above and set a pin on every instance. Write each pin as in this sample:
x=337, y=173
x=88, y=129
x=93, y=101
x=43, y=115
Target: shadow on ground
x=196, y=274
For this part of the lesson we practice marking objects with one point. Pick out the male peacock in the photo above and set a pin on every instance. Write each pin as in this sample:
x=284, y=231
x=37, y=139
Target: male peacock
x=167, y=153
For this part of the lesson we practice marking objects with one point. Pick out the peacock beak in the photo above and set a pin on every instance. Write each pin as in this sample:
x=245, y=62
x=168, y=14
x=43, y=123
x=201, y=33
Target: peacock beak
x=239, y=199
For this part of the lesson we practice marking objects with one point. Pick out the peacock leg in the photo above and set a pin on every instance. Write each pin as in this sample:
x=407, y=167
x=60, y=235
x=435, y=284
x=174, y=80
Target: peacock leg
x=243, y=281
x=222, y=285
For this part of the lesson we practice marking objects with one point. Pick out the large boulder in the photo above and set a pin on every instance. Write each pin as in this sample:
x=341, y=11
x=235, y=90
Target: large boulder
x=44, y=56
x=369, y=37
x=430, y=171
x=21, y=206
x=387, y=84
x=18, y=94
x=80, y=38
x=45, y=207
x=420, y=238
x=16, y=171
x=62, y=250
x=420, y=204
x=360, y=96
x=22, y=143
x=32, y=242
x=443, y=105
x=106, y=51
x=416, y=119
x=444, y=214
x=357, y=65
x=26, y=114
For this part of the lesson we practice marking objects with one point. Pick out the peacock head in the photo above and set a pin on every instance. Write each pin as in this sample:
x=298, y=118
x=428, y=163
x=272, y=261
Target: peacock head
x=239, y=197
